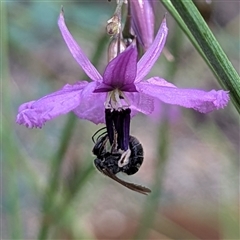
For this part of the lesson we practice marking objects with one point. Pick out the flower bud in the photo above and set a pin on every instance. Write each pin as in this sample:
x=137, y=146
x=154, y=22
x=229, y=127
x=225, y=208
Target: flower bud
x=113, y=25
x=142, y=21
x=115, y=47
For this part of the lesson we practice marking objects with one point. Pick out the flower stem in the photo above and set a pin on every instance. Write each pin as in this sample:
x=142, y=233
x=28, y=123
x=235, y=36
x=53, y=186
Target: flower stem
x=118, y=12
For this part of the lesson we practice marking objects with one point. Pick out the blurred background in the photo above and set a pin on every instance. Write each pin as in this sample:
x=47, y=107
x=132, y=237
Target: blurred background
x=50, y=188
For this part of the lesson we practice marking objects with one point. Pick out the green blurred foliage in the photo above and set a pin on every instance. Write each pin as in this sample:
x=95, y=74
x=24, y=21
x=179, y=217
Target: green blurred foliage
x=198, y=190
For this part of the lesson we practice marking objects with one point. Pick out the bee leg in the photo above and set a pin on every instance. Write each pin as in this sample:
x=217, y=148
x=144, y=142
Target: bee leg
x=124, y=160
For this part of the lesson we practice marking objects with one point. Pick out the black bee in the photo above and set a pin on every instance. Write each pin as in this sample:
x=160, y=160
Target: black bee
x=111, y=160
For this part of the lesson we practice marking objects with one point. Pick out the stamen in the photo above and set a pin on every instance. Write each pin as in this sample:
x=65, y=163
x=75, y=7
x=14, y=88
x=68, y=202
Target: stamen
x=115, y=100
x=125, y=99
x=108, y=100
x=118, y=128
x=114, y=147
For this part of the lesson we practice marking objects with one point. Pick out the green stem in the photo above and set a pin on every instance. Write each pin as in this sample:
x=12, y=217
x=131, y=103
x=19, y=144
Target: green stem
x=65, y=204
x=192, y=23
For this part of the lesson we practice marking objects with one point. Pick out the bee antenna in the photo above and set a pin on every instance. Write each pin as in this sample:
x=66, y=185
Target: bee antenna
x=99, y=130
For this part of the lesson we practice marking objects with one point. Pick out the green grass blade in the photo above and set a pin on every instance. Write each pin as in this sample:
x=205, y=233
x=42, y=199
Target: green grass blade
x=194, y=26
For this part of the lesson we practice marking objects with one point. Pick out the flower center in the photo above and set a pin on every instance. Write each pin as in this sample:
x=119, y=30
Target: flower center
x=116, y=100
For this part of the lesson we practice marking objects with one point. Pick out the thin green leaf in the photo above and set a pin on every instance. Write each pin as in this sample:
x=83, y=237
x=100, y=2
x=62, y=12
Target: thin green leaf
x=194, y=26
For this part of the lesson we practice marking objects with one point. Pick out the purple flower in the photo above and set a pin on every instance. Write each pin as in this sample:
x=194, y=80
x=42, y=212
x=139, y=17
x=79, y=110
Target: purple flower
x=121, y=86
x=142, y=21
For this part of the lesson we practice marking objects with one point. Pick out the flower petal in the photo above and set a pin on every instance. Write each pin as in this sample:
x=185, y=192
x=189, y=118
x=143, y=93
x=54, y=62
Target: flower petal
x=199, y=100
x=145, y=64
x=36, y=113
x=140, y=102
x=121, y=72
x=143, y=21
x=92, y=105
x=77, y=52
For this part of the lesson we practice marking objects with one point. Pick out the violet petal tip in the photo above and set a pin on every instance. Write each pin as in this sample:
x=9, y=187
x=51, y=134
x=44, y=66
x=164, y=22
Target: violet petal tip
x=222, y=99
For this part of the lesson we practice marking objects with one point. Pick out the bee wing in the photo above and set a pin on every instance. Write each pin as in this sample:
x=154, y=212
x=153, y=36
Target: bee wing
x=132, y=186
